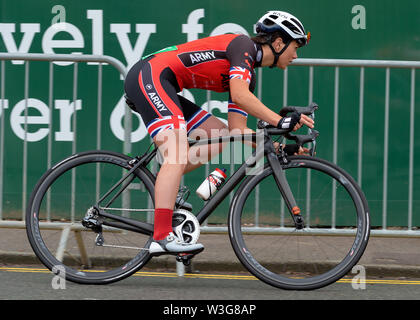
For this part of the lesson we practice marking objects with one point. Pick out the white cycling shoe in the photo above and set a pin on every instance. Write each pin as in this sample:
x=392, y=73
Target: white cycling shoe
x=173, y=245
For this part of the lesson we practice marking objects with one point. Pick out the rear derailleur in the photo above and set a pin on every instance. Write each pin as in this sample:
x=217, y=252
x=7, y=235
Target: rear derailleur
x=93, y=221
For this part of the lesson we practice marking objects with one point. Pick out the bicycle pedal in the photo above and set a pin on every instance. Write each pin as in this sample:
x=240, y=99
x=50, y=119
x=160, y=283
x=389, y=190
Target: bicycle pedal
x=185, y=258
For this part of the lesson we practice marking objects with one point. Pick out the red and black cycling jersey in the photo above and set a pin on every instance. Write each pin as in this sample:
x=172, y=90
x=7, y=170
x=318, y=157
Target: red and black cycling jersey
x=152, y=84
x=209, y=63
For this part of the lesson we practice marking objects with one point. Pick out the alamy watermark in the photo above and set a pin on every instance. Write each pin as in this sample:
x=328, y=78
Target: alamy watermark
x=173, y=148
x=359, y=20
x=358, y=282
x=59, y=280
x=59, y=20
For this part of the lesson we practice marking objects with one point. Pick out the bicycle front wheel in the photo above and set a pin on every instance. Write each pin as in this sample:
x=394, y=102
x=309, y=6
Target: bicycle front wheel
x=62, y=199
x=336, y=229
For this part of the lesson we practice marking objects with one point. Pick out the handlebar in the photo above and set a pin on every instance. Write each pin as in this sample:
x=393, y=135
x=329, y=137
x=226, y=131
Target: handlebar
x=309, y=110
x=300, y=139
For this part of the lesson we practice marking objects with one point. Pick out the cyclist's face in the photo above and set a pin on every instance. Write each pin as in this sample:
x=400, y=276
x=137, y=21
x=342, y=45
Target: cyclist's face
x=288, y=55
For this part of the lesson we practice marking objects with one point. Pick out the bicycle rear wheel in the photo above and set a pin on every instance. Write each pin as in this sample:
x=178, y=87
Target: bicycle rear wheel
x=61, y=200
x=336, y=225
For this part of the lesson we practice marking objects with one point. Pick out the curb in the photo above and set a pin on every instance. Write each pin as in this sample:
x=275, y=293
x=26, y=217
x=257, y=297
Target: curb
x=165, y=263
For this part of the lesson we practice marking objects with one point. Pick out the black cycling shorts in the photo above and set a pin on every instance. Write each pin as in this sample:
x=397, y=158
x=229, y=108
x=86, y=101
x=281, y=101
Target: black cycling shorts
x=152, y=90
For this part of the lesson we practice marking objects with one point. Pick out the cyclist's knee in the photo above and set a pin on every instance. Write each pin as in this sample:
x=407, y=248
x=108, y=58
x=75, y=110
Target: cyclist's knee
x=173, y=146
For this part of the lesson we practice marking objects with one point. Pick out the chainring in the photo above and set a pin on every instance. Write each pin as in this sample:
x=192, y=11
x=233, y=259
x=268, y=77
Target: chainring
x=186, y=226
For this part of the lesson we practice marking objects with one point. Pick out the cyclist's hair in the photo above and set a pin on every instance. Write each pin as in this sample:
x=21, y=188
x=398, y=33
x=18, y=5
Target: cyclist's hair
x=269, y=38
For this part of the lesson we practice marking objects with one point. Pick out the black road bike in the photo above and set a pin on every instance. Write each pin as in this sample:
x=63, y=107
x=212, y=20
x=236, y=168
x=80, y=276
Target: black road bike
x=89, y=216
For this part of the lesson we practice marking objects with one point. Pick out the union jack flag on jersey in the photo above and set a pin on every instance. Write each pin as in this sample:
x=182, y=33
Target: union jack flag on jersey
x=234, y=108
x=168, y=122
x=240, y=73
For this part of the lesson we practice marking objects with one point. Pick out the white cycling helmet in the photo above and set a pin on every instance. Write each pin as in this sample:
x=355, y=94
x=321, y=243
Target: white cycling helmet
x=289, y=27
x=285, y=23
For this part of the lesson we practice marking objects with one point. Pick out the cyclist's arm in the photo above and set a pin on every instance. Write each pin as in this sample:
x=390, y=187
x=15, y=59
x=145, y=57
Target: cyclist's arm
x=245, y=99
x=238, y=125
x=241, y=96
x=237, y=122
x=241, y=54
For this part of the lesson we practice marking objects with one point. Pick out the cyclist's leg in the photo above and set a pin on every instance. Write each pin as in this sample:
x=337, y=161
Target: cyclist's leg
x=153, y=94
x=173, y=147
x=202, y=125
x=154, y=97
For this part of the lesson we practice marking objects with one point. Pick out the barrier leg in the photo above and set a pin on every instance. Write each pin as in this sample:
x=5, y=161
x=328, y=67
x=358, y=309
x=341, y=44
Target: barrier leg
x=62, y=244
x=83, y=254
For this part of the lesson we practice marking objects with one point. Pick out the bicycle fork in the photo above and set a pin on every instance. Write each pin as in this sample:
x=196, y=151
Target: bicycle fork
x=283, y=185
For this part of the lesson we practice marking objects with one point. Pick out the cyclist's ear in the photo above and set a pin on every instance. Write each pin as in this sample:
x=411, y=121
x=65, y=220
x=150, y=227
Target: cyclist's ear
x=278, y=43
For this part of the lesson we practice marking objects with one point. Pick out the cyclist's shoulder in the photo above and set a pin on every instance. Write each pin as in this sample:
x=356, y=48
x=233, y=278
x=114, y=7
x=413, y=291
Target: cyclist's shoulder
x=242, y=43
x=242, y=51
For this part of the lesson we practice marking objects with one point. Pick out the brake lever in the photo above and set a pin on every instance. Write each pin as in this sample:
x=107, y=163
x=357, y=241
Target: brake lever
x=301, y=139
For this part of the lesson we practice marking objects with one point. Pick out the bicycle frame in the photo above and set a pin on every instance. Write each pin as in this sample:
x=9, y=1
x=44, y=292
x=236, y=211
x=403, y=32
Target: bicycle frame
x=273, y=160
x=267, y=150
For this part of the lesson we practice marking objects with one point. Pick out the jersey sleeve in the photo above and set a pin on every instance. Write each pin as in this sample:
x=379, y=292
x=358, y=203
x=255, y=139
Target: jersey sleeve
x=234, y=108
x=241, y=54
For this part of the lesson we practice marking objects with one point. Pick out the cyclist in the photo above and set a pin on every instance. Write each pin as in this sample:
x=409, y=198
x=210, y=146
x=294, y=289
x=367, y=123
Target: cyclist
x=223, y=63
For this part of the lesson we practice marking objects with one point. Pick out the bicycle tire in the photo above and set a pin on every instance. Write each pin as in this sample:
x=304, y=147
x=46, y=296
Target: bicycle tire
x=44, y=242
x=261, y=259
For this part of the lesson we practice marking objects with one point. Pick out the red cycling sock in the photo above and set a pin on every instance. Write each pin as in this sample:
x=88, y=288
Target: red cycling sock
x=163, y=223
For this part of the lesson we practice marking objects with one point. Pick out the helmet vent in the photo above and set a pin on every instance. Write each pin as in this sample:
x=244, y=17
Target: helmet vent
x=268, y=22
x=292, y=27
x=298, y=24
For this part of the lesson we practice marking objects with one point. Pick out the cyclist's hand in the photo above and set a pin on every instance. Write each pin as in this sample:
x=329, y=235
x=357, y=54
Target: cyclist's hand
x=296, y=120
x=290, y=123
x=307, y=121
x=303, y=151
x=292, y=149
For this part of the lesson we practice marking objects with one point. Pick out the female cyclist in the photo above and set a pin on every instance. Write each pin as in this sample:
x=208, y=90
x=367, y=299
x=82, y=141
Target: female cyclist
x=223, y=63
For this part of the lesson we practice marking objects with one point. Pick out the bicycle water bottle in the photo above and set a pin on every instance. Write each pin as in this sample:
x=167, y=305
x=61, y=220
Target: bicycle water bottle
x=212, y=183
